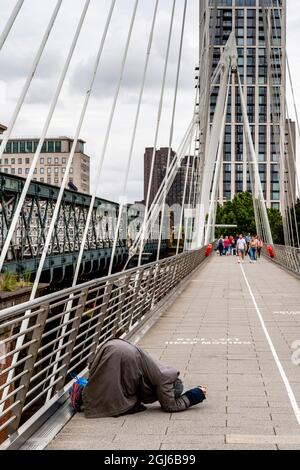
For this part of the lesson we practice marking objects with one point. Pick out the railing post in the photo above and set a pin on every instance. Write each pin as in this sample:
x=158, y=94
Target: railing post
x=120, y=307
x=150, y=277
x=72, y=339
x=137, y=285
x=103, y=309
x=169, y=280
x=32, y=353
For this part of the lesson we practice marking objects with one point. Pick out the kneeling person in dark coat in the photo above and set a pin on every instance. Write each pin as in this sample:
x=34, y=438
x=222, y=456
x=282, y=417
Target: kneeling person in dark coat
x=123, y=377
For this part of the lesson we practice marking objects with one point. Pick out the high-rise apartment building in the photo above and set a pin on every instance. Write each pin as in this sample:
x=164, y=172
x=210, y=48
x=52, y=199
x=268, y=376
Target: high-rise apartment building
x=52, y=161
x=176, y=192
x=260, y=30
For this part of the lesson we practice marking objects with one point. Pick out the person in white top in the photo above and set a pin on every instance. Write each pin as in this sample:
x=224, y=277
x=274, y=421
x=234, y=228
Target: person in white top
x=241, y=247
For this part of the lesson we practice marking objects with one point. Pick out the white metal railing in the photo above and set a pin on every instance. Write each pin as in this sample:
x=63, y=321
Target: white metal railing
x=286, y=256
x=44, y=341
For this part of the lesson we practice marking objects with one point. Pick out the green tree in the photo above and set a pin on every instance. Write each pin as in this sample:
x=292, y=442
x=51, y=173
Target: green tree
x=276, y=226
x=240, y=212
x=295, y=212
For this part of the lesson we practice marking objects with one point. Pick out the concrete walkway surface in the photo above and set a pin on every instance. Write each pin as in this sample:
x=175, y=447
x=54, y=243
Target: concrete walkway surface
x=214, y=335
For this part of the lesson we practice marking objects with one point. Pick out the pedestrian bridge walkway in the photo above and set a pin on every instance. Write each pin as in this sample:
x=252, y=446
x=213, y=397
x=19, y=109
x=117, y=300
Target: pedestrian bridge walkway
x=232, y=328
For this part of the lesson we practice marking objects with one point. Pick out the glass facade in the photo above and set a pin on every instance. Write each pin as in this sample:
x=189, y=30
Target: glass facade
x=28, y=146
x=259, y=63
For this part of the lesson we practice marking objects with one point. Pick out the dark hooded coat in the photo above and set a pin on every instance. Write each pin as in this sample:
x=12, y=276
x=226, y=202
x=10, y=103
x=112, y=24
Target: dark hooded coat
x=123, y=375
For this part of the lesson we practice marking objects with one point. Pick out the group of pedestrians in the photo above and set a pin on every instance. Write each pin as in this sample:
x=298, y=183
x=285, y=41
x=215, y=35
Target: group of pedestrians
x=241, y=247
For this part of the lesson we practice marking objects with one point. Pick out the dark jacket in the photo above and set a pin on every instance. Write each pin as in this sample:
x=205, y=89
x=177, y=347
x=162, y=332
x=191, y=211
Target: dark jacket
x=123, y=375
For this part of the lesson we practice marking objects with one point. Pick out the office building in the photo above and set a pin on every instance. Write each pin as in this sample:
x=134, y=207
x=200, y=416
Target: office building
x=52, y=161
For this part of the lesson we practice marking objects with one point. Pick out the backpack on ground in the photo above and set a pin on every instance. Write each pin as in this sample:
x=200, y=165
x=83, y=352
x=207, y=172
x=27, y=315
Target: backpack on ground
x=75, y=393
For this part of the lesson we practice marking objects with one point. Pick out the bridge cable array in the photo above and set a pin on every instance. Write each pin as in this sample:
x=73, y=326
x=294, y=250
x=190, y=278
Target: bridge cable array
x=287, y=190
x=10, y=22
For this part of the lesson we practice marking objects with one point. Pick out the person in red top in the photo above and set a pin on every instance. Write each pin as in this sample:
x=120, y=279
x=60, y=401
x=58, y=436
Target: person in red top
x=227, y=244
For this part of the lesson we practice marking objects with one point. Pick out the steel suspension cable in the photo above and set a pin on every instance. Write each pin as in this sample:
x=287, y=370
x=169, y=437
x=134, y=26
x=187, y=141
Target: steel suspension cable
x=160, y=106
x=218, y=164
x=288, y=195
x=291, y=140
x=133, y=139
x=275, y=83
x=29, y=78
x=291, y=203
x=287, y=219
x=192, y=189
x=188, y=167
x=172, y=127
x=254, y=163
x=106, y=140
x=10, y=22
x=99, y=171
x=24, y=324
x=70, y=160
x=42, y=138
x=155, y=206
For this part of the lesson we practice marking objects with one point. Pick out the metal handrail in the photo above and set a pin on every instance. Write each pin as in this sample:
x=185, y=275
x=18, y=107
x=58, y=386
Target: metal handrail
x=59, y=340
x=286, y=256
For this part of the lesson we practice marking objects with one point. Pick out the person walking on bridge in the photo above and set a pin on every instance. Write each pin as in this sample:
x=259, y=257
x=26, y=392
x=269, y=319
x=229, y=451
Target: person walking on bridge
x=248, y=240
x=253, y=249
x=123, y=377
x=220, y=245
x=259, y=247
x=241, y=247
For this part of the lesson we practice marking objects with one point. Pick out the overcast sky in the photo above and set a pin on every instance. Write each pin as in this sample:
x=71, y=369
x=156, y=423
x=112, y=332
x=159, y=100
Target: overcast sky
x=17, y=55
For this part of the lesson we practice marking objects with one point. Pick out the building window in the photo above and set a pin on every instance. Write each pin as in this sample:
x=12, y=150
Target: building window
x=19, y=171
x=27, y=171
x=49, y=171
x=49, y=180
x=20, y=161
x=50, y=146
x=42, y=171
x=29, y=146
x=71, y=170
x=22, y=146
x=15, y=147
x=42, y=180
x=13, y=171
x=49, y=160
x=64, y=160
x=5, y=170
x=5, y=161
x=56, y=161
x=55, y=170
x=27, y=161
x=13, y=161
x=58, y=146
x=42, y=160
x=8, y=148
